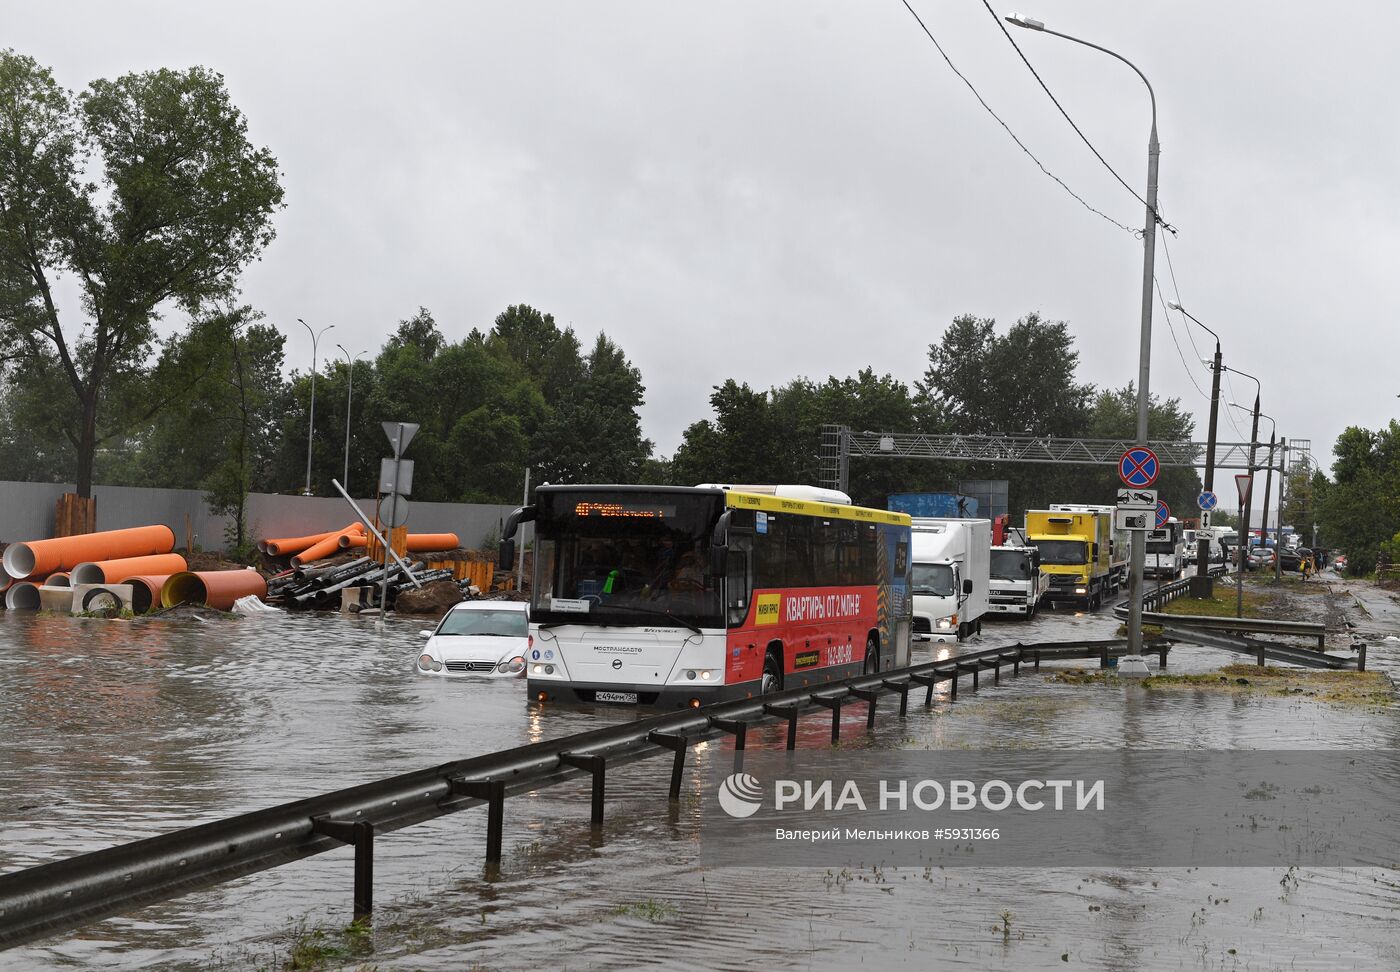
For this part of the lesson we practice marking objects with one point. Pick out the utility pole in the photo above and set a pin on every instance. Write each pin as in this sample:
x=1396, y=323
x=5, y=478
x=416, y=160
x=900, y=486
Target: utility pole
x=1264, y=513
x=1244, y=515
x=349, y=403
x=1203, y=585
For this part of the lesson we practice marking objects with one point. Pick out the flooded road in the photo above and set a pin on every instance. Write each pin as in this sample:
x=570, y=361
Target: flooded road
x=111, y=731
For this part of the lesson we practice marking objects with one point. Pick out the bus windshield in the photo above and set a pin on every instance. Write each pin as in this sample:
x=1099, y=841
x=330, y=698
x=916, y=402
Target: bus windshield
x=625, y=557
x=935, y=579
x=1010, y=565
x=1062, y=552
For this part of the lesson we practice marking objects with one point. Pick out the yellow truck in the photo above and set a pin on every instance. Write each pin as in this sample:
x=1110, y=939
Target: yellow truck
x=1079, y=555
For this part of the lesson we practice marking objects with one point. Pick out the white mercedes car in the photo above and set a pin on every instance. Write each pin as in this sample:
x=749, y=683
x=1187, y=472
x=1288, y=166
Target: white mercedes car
x=478, y=639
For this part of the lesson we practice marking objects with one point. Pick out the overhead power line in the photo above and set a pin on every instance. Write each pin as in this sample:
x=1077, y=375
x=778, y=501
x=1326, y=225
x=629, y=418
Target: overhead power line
x=982, y=101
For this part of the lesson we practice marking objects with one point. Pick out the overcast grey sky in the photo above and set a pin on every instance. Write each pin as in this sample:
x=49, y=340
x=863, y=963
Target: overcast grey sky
x=761, y=189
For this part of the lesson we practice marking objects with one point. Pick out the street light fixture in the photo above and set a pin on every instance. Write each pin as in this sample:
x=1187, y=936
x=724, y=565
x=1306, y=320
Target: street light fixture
x=1242, y=544
x=1149, y=250
x=311, y=427
x=1203, y=585
x=349, y=400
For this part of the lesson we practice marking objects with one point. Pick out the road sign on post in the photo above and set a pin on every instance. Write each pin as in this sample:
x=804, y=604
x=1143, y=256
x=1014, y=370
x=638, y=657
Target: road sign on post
x=393, y=510
x=1164, y=513
x=396, y=476
x=1138, y=467
x=400, y=434
x=1125, y=519
x=1206, y=501
x=1137, y=499
x=1242, y=483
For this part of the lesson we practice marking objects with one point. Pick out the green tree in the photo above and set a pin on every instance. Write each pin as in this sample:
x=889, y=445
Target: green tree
x=182, y=203
x=1359, y=510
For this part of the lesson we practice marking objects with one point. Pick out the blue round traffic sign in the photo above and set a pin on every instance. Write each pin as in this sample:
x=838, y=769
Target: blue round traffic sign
x=1164, y=513
x=1138, y=467
x=1207, y=500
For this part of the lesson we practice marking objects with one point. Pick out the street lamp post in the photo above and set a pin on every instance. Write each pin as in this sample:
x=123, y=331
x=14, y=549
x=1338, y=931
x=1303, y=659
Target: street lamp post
x=349, y=400
x=1149, y=251
x=1242, y=540
x=1268, y=490
x=311, y=425
x=1203, y=585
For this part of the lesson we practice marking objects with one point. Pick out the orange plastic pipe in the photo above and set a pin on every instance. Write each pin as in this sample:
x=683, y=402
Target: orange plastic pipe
x=291, y=545
x=145, y=591
x=214, y=588
x=432, y=541
x=353, y=540
x=327, y=547
x=114, y=571
x=23, y=560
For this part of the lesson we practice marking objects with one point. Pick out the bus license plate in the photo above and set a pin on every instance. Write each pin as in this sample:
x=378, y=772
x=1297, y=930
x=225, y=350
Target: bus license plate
x=630, y=697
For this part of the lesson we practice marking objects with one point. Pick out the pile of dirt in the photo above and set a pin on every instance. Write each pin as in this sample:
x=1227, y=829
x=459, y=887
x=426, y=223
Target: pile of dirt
x=434, y=598
x=202, y=560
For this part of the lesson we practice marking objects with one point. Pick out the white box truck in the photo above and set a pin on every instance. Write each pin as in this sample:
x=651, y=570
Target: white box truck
x=1017, y=583
x=952, y=562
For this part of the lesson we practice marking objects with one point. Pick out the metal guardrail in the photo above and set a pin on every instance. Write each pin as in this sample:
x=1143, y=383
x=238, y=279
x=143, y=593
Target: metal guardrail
x=66, y=894
x=1261, y=651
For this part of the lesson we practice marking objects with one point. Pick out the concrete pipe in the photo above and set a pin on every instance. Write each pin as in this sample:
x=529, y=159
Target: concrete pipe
x=213, y=588
x=328, y=547
x=145, y=591
x=58, y=579
x=432, y=541
x=43, y=557
x=292, y=545
x=113, y=571
x=23, y=596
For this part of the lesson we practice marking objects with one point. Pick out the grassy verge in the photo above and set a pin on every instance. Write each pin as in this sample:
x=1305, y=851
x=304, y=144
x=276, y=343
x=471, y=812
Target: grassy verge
x=1336, y=688
x=1222, y=605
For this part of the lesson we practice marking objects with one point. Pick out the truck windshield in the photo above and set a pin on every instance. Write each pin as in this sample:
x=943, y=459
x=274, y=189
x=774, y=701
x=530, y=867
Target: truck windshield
x=934, y=579
x=625, y=557
x=1062, y=552
x=1010, y=565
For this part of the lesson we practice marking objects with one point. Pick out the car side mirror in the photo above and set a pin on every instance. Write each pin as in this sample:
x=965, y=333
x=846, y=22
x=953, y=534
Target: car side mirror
x=967, y=586
x=506, y=560
x=425, y=633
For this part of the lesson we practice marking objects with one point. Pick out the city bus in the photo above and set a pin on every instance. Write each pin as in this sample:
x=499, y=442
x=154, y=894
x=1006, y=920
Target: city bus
x=676, y=596
x=1166, y=551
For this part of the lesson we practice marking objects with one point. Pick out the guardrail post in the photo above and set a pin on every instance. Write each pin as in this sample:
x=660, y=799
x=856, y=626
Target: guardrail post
x=788, y=712
x=832, y=702
x=928, y=680
x=737, y=728
x=360, y=834
x=596, y=765
x=953, y=695
x=1037, y=659
x=1103, y=657
x=1016, y=662
x=677, y=745
x=1361, y=657
x=1162, y=659
x=869, y=696
x=902, y=687
x=1261, y=656
x=972, y=667
x=494, y=793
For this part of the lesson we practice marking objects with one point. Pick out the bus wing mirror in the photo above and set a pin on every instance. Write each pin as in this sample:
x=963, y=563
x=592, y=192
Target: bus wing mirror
x=719, y=560
x=967, y=586
x=525, y=514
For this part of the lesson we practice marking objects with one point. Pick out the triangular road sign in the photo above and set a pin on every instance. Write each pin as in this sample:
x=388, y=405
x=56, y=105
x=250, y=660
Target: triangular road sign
x=400, y=443
x=1242, y=482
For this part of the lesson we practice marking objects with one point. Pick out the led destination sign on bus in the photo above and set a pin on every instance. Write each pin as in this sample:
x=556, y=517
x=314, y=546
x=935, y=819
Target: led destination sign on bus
x=634, y=511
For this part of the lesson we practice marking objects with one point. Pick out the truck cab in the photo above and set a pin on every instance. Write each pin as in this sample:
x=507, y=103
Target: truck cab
x=1078, y=554
x=950, y=576
x=1017, y=583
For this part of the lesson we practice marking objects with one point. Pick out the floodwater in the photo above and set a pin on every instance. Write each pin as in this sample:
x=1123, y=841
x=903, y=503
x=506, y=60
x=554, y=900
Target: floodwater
x=112, y=731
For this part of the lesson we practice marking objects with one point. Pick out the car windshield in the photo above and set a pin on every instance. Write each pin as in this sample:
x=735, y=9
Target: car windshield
x=934, y=579
x=497, y=623
x=1010, y=565
x=1063, y=552
x=625, y=557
